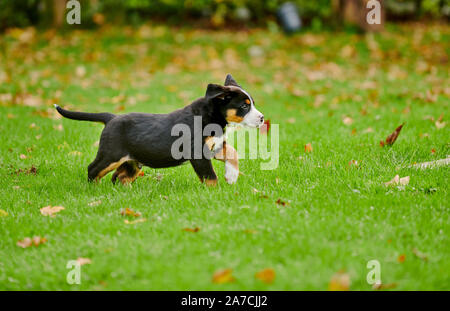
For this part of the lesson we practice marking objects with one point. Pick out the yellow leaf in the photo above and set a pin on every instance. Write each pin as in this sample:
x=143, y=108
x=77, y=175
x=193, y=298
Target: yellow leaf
x=340, y=281
x=308, y=147
x=129, y=212
x=3, y=213
x=266, y=275
x=223, y=276
x=134, y=221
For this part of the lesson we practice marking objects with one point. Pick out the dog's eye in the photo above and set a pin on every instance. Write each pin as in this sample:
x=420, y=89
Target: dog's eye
x=245, y=106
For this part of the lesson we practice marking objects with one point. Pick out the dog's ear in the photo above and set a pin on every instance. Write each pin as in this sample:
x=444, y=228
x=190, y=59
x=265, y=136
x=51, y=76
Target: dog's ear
x=215, y=91
x=230, y=81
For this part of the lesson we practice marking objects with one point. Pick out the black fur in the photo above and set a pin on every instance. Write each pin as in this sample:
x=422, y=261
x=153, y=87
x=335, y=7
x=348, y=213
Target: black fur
x=146, y=138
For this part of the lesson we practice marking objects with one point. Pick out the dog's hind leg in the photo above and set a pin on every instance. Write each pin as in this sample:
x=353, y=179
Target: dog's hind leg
x=127, y=172
x=229, y=155
x=101, y=167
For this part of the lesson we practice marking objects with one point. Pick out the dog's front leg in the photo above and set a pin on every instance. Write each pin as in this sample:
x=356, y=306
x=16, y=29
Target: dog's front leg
x=229, y=155
x=205, y=171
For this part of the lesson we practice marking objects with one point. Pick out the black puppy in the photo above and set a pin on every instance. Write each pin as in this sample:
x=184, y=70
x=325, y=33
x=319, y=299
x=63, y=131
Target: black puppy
x=135, y=139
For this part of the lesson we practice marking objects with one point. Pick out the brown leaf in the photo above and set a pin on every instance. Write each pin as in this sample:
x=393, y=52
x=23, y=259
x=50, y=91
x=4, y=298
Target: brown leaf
x=35, y=241
x=84, y=261
x=419, y=254
x=308, y=147
x=379, y=286
x=347, y=120
x=22, y=156
x=196, y=229
x=266, y=275
x=51, y=211
x=223, y=276
x=401, y=258
x=281, y=202
x=390, y=140
x=129, y=212
x=398, y=181
x=340, y=281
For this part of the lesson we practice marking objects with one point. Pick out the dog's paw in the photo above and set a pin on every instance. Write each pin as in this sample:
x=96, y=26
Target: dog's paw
x=231, y=173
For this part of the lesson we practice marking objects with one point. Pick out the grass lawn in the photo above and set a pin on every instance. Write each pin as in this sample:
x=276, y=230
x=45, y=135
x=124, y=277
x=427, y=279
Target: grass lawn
x=340, y=92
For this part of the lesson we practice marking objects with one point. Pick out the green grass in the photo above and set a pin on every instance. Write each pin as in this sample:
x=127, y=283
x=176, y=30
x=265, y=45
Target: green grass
x=339, y=216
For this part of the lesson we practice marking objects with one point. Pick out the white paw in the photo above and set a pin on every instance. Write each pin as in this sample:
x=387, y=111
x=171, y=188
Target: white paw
x=231, y=173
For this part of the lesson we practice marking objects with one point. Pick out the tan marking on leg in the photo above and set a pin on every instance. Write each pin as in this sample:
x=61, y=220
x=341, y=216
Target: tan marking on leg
x=209, y=141
x=126, y=179
x=211, y=182
x=111, y=167
x=232, y=117
x=228, y=154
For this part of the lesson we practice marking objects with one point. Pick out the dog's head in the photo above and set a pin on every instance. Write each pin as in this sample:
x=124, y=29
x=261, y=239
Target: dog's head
x=235, y=104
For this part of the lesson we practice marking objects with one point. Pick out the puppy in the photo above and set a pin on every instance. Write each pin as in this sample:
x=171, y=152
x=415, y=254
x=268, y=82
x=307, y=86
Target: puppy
x=132, y=140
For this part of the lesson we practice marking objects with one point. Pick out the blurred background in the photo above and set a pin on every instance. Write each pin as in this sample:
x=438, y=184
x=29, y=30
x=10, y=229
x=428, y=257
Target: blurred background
x=213, y=13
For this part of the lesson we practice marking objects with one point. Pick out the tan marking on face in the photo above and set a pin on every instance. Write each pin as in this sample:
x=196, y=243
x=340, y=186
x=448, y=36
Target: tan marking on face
x=211, y=182
x=111, y=167
x=232, y=117
x=247, y=101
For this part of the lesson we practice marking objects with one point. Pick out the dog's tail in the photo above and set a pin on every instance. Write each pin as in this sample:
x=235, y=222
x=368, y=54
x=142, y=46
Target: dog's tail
x=103, y=117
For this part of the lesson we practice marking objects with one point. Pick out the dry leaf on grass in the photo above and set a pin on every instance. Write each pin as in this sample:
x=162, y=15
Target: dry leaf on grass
x=281, y=202
x=35, y=241
x=135, y=221
x=379, y=286
x=84, y=261
x=51, y=210
x=196, y=229
x=401, y=258
x=347, y=120
x=390, y=140
x=22, y=156
x=3, y=213
x=223, y=276
x=340, y=281
x=129, y=212
x=419, y=254
x=398, y=181
x=266, y=275
x=95, y=203
x=308, y=147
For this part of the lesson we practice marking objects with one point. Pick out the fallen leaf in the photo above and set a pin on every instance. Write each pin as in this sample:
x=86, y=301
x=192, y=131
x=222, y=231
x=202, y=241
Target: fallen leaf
x=419, y=254
x=439, y=124
x=281, y=202
x=23, y=157
x=379, y=286
x=75, y=153
x=347, y=120
x=196, y=229
x=398, y=181
x=84, y=261
x=340, y=281
x=58, y=127
x=266, y=275
x=3, y=213
x=291, y=120
x=129, y=212
x=433, y=151
x=223, y=276
x=401, y=258
x=308, y=147
x=51, y=211
x=95, y=203
x=135, y=221
x=390, y=140
x=35, y=241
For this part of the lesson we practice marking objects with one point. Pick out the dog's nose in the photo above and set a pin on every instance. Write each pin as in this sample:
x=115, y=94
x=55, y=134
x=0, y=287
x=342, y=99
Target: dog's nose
x=262, y=118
